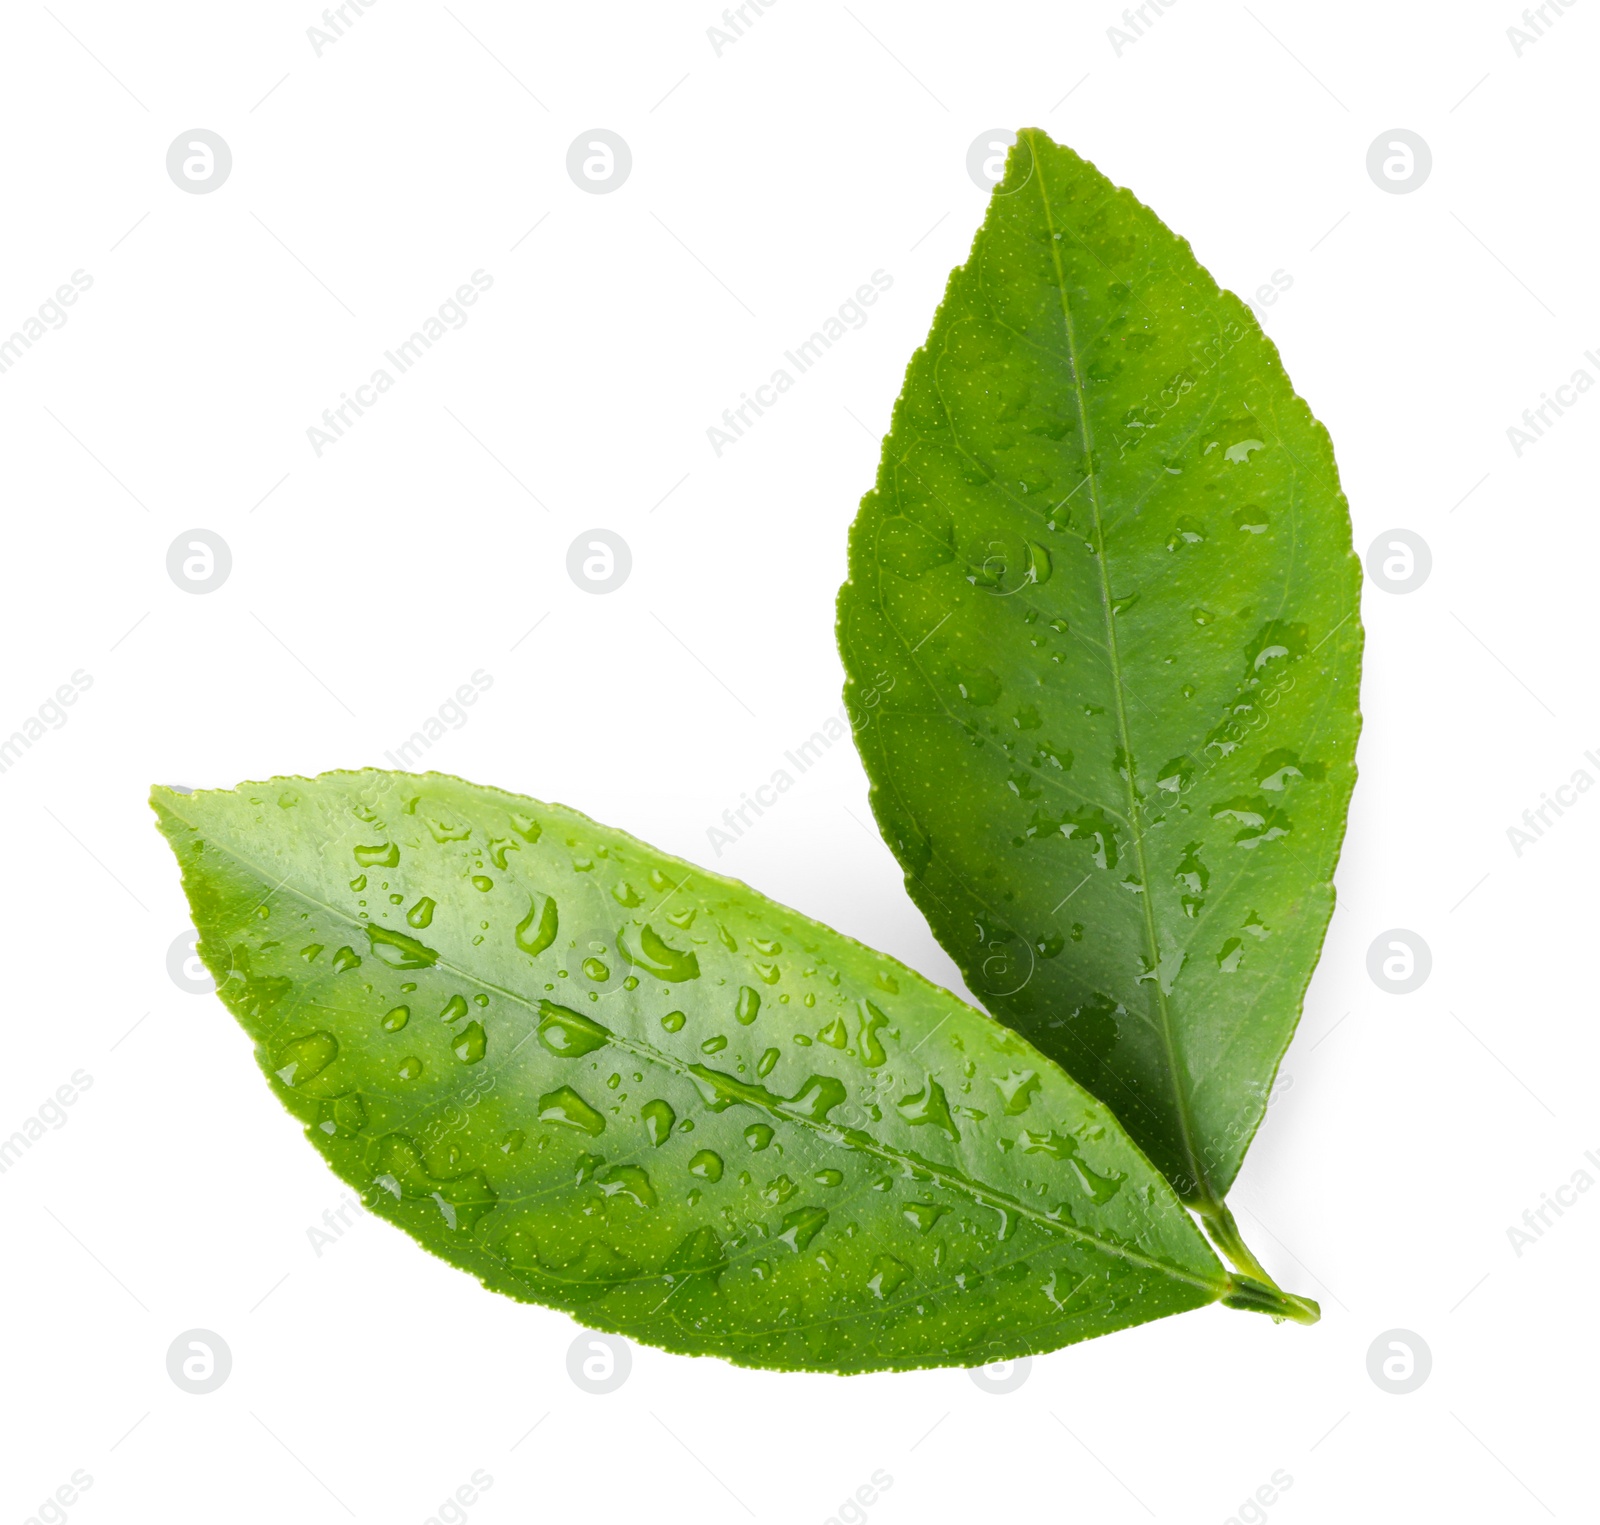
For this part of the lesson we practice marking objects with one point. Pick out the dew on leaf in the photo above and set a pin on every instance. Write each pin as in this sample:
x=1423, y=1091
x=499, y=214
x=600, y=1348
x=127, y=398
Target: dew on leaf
x=887, y=1275
x=421, y=914
x=706, y=1165
x=658, y=1118
x=537, y=930
x=302, y=1059
x=629, y=1181
x=565, y=1107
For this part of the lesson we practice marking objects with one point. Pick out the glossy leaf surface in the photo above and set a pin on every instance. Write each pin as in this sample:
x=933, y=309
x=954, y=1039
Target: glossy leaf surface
x=600, y=1078
x=1103, y=651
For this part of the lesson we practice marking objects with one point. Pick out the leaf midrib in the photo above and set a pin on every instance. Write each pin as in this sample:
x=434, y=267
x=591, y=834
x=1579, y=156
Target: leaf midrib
x=1114, y=657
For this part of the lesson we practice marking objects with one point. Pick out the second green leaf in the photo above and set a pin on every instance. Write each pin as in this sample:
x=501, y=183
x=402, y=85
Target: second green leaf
x=1103, y=646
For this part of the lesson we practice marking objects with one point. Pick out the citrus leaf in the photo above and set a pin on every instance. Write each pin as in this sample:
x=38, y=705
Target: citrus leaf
x=600, y=1078
x=1103, y=649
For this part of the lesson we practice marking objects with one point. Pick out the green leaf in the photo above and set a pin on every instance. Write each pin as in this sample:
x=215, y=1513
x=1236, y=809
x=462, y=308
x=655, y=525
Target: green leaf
x=1103, y=651
x=602, y=1079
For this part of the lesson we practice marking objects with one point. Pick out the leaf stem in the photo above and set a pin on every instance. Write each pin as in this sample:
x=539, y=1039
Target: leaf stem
x=1225, y=1235
x=1245, y=1292
x=1254, y=1287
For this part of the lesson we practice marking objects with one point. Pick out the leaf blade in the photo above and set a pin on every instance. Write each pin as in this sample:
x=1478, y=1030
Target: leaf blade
x=1072, y=689
x=731, y=1192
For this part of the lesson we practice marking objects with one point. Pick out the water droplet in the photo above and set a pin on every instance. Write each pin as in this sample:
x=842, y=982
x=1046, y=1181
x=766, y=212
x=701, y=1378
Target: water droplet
x=498, y=848
x=835, y=1034
x=828, y=1177
x=1057, y=1146
x=1276, y=769
x=673, y=1021
x=310, y=952
x=766, y=946
x=1229, y=955
x=410, y=1069
x=537, y=930
x=923, y=1215
x=359, y=883
x=872, y=1054
x=1175, y=776
x=566, y=1107
x=568, y=1033
x=714, y=1045
x=346, y=958
x=595, y=970
x=660, y=958
x=383, y=855
x=758, y=1136
x=399, y=951
x=1017, y=1091
x=799, y=1228
x=706, y=1165
x=513, y=1141
x=303, y=1059
x=749, y=1004
x=1185, y=532
x=454, y=1009
x=627, y=1181
x=470, y=1043
x=444, y=830
x=928, y=1106
x=421, y=914
x=887, y=1274
x=1027, y=718
x=658, y=1118
x=768, y=974
x=766, y=1063
x=1276, y=641
x=396, y=1019
x=1258, y=821
x=625, y=894
x=525, y=827
x=1089, y=824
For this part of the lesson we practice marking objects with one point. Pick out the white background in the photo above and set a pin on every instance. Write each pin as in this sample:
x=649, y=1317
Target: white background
x=367, y=584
